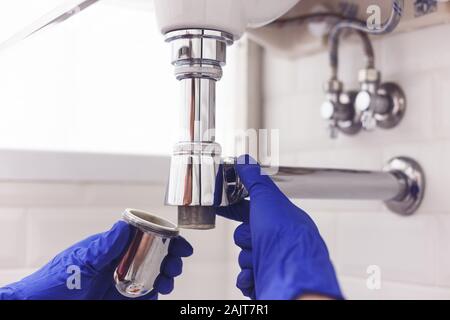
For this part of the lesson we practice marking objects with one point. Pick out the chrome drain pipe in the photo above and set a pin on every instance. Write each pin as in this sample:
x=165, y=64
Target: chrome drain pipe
x=195, y=186
x=401, y=185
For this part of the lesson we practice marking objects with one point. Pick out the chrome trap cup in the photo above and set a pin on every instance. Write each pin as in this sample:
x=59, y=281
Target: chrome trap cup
x=139, y=267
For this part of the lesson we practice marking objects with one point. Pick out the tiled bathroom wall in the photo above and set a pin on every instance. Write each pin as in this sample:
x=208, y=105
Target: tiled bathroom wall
x=412, y=253
x=38, y=219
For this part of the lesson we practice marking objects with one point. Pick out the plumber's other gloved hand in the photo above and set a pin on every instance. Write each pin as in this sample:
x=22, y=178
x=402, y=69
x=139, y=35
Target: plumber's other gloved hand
x=95, y=260
x=283, y=255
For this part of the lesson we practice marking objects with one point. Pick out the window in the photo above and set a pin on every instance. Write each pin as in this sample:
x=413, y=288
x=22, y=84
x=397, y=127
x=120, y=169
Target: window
x=99, y=82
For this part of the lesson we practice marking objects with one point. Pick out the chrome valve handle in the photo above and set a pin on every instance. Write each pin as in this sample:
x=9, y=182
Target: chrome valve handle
x=339, y=110
x=328, y=110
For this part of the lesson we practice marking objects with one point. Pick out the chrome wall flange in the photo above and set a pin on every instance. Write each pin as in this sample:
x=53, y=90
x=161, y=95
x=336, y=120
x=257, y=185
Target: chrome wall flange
x=398, y=106
x=380, y=105
x=414, y=178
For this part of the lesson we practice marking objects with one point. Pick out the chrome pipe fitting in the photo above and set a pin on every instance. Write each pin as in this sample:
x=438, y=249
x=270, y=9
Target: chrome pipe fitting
x=379, y=104
x=140, y=265
x=338, y=109
x=208, y=182
x=199, y=53
x=375, y=104
x=196, y=183
x=401, y=185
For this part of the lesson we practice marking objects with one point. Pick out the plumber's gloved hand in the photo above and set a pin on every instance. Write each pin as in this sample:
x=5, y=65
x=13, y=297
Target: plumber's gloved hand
x=95, y=258
x=283, y=255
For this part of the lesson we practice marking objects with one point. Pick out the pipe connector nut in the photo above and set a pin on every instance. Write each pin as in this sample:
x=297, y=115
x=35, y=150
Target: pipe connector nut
x=333, y=86
x=199, y=53
x=369, y=76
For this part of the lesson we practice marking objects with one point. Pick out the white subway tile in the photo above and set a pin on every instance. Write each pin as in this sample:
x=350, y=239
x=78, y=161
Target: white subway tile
x=53, y=230
x=405, y=248
x=232, y=249
x=123, y=195
x=204, y=281
x=20, y=165
x=441, y=112
x=276, y=68
x=444, y=173
x=337, y=206
x=25, y=194
x=443, y=249
x=311, y=73
x=12, y=238
x=288, y=159
x=297, y=117
x=211, y=245
x=356, y=289
x=420, y=50
x=368, y=158
x=80, y=194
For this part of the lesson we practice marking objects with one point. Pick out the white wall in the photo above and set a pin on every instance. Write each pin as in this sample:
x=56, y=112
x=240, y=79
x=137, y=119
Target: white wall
x=413, y=253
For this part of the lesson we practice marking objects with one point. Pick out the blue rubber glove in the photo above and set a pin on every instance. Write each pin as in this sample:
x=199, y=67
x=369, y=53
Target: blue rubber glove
x=283, y=256
x=96, y=257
